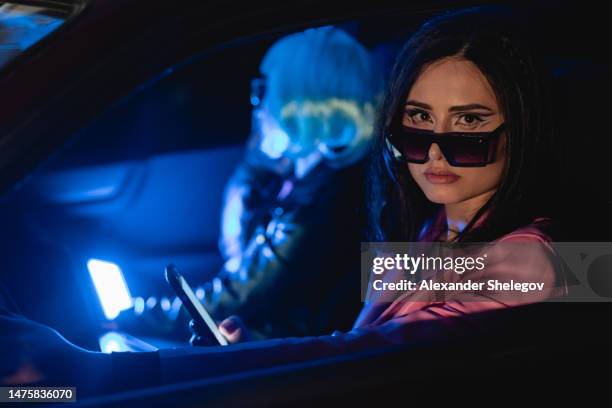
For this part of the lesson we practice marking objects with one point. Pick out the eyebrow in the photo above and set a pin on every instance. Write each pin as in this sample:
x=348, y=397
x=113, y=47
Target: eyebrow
x=460, y=108
x=419, y=104
x=471, y=106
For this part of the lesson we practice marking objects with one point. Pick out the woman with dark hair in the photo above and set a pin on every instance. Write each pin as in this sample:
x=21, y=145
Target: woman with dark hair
x=463, y=155
x=467, y=72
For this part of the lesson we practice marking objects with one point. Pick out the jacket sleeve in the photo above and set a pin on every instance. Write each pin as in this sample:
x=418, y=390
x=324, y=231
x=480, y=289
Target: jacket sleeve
x=517, y=259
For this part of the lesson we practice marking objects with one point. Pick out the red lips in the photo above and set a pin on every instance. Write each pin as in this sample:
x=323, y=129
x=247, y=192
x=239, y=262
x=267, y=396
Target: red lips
x=440, y=176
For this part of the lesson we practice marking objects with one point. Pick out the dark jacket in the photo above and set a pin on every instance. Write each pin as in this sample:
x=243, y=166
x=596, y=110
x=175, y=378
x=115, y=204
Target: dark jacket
x=299, y=272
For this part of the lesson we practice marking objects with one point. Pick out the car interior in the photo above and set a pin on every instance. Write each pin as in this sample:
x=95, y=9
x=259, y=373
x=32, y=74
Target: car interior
x=141, y=183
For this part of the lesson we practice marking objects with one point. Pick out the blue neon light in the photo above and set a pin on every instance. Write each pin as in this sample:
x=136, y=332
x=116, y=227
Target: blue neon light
x=110, y=285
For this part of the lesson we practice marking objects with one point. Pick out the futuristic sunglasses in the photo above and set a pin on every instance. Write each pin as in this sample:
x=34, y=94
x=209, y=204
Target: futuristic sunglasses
x=460, y=149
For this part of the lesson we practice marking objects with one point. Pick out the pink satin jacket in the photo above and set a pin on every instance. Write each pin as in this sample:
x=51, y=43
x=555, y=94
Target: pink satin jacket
x=524, y=255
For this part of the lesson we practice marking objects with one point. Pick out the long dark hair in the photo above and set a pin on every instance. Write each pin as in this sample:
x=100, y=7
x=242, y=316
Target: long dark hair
x=492, y=39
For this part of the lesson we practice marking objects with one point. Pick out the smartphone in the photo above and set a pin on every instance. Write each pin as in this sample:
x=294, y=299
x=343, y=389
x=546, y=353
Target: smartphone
x=196, y=310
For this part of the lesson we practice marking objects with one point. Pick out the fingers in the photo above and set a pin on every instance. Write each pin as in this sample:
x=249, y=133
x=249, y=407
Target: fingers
x=234, y=330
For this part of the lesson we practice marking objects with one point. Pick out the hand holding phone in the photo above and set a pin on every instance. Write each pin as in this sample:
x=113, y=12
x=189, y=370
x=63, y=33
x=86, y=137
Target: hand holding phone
x=203, y=322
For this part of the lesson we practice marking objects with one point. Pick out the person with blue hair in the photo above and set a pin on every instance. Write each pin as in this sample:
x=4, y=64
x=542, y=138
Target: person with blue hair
x=321, y=87
x=293, y=205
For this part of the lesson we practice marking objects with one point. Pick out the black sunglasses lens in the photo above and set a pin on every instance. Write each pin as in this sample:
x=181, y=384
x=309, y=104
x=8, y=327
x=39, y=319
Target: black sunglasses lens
x=413, y=147
x=459, y=150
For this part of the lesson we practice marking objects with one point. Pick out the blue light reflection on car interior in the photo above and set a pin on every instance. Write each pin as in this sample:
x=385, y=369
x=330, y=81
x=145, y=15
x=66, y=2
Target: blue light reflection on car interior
x=22, y=26
x=140, y=186
x=139, y=214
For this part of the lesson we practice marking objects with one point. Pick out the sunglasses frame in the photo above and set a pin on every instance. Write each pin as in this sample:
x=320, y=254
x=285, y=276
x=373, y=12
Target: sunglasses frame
x=489, y=138
x=258, y=90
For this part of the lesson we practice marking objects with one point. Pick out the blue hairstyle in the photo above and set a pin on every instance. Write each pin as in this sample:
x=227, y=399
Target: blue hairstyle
x=322, y=87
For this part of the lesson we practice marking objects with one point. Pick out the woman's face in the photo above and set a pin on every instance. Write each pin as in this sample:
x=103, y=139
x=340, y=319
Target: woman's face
x=452, y=95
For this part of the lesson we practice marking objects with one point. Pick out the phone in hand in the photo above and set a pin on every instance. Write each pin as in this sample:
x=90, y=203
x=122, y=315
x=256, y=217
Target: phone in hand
x=204, y=323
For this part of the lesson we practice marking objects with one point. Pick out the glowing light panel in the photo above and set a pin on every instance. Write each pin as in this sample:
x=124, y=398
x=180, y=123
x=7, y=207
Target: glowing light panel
x=110, y=285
